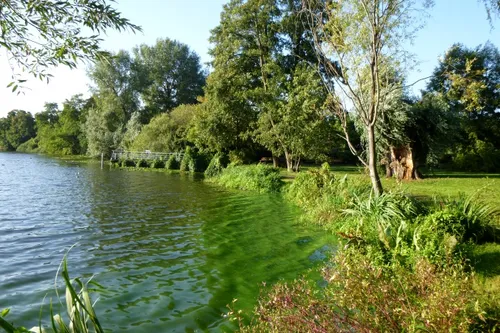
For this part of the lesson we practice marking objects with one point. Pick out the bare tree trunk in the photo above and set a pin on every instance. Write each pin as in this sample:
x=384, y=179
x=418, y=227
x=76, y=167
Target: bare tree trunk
x=404, y=163
x=372, y=162
x=297, y=165
x=289, y=161
x=276, y=161
x=387, y=163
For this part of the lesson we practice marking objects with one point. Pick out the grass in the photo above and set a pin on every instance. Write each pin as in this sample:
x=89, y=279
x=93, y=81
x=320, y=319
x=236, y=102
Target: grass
x=437, y=183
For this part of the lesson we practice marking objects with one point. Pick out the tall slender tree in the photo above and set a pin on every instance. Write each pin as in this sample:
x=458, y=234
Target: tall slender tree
x=356, y=42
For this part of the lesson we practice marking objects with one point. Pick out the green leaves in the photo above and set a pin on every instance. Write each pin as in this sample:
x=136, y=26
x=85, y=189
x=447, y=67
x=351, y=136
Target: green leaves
x=42, y=34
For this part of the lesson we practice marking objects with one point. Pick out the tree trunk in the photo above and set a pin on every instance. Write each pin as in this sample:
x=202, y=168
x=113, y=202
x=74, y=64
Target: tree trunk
x=289, y=161
x=297, y=165
x=372, y=162
x=387, y=164
x=276, y=162
x=404, y=164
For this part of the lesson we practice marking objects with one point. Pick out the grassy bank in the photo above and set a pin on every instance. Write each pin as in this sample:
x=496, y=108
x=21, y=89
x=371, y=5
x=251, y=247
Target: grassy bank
x=423, y=256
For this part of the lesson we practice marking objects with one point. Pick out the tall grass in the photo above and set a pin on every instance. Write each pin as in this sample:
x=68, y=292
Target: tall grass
x=80, y=314
x=259, y=177
x=322, y=195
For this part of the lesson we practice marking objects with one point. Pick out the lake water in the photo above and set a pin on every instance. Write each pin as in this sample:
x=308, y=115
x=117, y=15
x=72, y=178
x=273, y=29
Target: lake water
x=171, y=250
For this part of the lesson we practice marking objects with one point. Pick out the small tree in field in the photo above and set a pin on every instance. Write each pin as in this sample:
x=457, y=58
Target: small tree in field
x=356, y=43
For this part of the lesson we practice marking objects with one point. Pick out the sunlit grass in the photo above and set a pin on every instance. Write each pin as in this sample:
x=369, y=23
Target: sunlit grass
x=438, y=183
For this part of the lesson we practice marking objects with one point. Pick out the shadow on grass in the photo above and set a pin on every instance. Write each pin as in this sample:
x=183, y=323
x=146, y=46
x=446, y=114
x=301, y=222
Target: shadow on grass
x=457, y=174
x=487, y=261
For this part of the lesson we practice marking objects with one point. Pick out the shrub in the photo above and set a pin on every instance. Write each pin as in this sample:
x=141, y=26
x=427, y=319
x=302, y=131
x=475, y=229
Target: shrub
x=322, y=195
x=261, y=178
x=142, y=163
x=127, y=163
x=172, y=163
x=30, y=146
x=237, y=157
x=362, y=297
x=216, y=165
x=466, y=218
x=158, y=164
x=188, y=161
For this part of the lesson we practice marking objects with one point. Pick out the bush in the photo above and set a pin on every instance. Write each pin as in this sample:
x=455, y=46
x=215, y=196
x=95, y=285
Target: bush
x=322, y=195
x=362, y=297
x=127, y=163
x=261, y=178
x=172, y=163
x=237, y=157
x=158, y=164
x=188, y=162
x=216, y=165
x=30, y=146
x=193, y=161
x=142, y=163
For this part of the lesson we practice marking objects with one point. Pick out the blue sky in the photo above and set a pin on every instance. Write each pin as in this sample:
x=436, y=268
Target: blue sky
x=190, y=22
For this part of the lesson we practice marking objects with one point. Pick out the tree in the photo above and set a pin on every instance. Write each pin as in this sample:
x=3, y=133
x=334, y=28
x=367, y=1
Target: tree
x=170, y=74
x=167, y=132
x=19, y=127
x=103, y=131
x=425, y=130
x=116, y=96
x=469, y=79
x=492, y=8
x=261, y=51
x=40, y=34
x=297, y=126
x=116, y=79
x=356, y=42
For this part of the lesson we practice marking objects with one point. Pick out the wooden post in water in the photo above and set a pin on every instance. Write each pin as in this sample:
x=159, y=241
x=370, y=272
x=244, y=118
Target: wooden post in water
x=102, y=160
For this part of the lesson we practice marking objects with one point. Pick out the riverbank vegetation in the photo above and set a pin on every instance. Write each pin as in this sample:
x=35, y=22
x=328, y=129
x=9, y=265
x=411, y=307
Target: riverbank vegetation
x=404, y=264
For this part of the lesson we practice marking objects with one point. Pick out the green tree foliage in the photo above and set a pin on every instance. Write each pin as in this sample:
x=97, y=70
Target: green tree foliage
x=4, y=126
x=103, y=129
x=134, y=126
x=170, y=74
x=469, y=80
x=116, y=98
x=492, y=8
x=15, y=129
x=61, y=132
x=299, y=125
x=115, y=83
x=40, y=34
x=167, y=132
x=257, y=89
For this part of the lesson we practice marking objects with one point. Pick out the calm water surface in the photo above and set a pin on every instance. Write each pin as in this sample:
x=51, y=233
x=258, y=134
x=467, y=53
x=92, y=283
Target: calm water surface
x=171, y=250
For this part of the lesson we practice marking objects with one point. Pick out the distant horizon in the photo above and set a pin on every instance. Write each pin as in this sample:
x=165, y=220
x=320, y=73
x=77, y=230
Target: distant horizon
x=190, y=22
